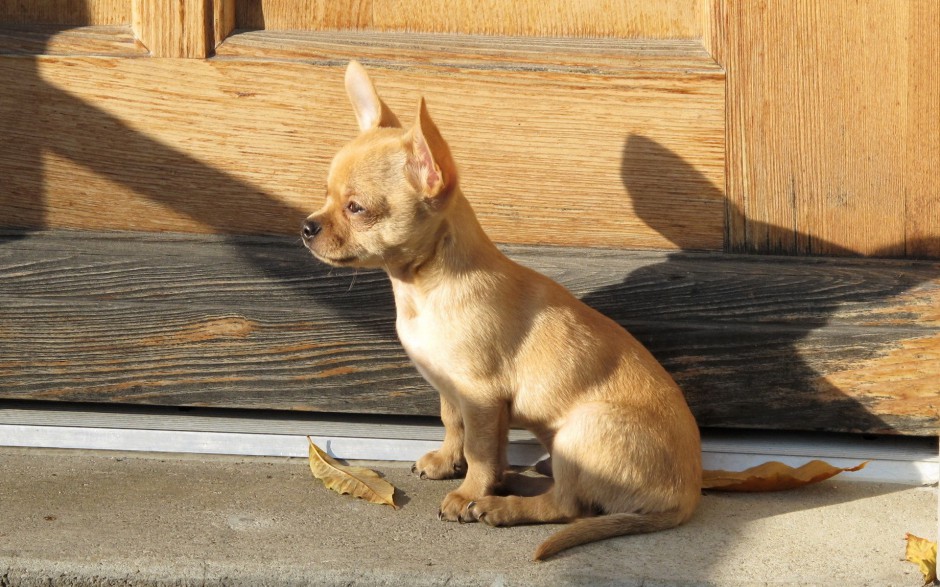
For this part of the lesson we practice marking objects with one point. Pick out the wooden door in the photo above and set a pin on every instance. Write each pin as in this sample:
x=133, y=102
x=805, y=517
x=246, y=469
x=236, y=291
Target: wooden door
x=160, y=156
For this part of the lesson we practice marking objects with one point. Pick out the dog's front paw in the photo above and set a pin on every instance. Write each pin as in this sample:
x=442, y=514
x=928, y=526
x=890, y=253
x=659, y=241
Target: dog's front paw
x=456, y=508
x=493, y=510
x=436, y=465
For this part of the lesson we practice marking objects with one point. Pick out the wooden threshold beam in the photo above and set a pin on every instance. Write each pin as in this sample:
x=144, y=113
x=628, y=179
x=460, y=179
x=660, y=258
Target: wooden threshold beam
x=755, y=342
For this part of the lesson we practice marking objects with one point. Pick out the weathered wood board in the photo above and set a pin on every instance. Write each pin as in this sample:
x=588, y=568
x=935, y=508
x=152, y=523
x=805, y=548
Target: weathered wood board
x=240, y=144
x=851, y=345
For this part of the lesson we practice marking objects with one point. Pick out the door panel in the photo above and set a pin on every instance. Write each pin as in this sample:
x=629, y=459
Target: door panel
x=835, y=115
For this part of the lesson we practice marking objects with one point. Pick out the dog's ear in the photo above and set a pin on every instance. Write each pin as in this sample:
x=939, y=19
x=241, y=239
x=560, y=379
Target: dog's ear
x=371, y=111
x=431, y=167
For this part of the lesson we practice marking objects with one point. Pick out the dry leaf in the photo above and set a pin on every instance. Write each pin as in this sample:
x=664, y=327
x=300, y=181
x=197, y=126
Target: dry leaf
x=923, y=553
x=356, y=481
x=772, y=476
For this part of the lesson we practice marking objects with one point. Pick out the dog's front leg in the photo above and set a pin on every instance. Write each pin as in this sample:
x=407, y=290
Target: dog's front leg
x=448, y=461
x=486, y=434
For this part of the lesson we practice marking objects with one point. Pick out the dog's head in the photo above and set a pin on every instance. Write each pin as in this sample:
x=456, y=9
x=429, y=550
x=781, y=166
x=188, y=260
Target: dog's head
x=387, y=191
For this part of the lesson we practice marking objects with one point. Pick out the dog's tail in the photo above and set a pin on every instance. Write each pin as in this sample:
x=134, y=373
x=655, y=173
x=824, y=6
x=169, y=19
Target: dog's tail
x=592, y=529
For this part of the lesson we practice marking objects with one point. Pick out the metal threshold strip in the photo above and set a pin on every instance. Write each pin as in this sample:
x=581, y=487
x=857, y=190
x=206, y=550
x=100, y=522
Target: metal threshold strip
x=906, y=460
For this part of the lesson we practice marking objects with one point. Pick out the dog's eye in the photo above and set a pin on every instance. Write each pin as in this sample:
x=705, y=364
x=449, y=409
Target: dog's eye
x=354, y=208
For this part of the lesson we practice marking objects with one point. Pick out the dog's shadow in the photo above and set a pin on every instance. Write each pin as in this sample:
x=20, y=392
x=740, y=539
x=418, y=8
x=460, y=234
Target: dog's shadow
x=734, y=334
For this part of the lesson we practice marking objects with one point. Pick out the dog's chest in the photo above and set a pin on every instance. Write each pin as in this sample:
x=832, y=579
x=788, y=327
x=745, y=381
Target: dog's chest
x=423, y=338
x=427, y=333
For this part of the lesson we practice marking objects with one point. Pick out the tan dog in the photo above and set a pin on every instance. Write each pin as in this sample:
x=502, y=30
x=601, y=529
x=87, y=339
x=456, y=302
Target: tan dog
x=505, y=346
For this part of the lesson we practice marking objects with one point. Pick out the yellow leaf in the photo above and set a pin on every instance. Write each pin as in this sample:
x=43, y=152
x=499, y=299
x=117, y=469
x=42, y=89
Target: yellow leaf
x=923, y=553
x=356, y=481
x=772, y=476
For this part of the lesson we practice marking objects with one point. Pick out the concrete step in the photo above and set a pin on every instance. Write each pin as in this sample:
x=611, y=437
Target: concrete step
x=106, y=518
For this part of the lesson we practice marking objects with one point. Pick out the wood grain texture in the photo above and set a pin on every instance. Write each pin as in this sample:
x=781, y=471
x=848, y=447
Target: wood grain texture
x=714, y=31
x=307, y=15
x=850, y=345
x=553, y=153
x=559, y=55
x=832, y=125
x=223, y=21
x=174, y=28
x=922, y=165
x=65, y=12
x=111, y=40
x=657, y=19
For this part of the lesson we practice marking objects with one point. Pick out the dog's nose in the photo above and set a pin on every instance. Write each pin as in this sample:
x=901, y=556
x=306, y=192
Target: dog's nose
x=311, y=229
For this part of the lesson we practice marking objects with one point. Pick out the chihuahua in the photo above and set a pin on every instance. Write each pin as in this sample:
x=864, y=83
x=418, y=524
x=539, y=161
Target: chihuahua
x=505, y=347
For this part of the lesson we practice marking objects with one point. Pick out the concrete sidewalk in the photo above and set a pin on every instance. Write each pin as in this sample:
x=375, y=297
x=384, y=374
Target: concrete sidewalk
x=98, y=518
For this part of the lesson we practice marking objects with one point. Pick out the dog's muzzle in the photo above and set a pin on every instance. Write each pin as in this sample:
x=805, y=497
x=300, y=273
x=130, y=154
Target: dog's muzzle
x=310, y=229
